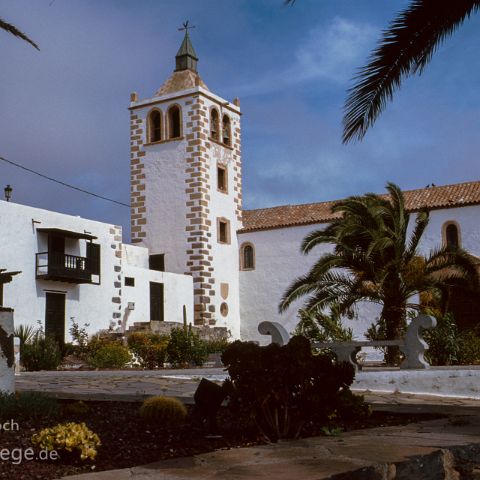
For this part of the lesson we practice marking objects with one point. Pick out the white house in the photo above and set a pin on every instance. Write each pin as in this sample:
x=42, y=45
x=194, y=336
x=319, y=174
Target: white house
x=77, y=268
x=195, y=253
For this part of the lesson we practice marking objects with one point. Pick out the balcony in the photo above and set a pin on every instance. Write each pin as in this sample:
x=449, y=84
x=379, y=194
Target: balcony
x=62, y=267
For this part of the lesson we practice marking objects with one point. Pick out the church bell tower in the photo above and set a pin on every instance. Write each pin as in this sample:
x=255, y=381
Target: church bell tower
x=186, y=186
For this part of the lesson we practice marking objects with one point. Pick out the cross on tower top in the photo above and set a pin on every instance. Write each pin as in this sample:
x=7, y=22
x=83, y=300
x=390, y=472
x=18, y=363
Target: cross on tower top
x=186, y=26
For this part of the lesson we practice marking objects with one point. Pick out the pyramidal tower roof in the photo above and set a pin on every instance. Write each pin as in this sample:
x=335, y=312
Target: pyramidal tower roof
x=185, y=75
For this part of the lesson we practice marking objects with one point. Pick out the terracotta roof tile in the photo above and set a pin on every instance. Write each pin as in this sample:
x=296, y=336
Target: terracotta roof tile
x=180, y=80
x=447, y=196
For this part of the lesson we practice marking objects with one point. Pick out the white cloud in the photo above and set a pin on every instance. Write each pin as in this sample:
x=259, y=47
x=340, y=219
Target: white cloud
x=329, y=53
x=334, y=52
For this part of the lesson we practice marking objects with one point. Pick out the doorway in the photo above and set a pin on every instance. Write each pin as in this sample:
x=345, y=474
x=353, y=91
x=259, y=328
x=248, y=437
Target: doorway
x=55, y=316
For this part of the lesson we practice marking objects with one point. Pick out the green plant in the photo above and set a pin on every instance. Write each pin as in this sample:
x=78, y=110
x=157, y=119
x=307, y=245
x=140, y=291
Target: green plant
x=216, y=345
x=185, y=347
x=27, y=405
x=80, y=337
x=448, y=346
x=284, y=388
x=25, y=333
x=150, y=348
x=69, y=437
x=320, y=327
x=42, y=353
x=109, y=355
x=166, y=411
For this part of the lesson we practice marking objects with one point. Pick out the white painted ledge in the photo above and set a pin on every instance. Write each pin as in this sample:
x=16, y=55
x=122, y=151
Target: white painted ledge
x=459, y=382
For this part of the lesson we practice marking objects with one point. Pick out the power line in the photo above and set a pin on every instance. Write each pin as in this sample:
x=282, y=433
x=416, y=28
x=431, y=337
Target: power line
x=63, y=183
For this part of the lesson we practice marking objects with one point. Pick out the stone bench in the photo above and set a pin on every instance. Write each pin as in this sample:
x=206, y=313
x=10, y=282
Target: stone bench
x=412, y=345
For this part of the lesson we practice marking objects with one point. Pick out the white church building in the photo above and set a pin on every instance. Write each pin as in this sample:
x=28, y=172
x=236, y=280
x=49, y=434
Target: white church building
x=196, y=255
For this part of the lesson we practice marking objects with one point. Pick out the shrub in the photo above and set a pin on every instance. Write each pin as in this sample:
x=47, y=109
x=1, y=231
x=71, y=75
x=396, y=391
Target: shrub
x=25, y=333
x=27, y=405
x=150, y=348
x=448, y=346
x=108, y=355
x=186, y=348
x=43, y=353
x=167, y=411
x=218, y=345
x=80, y=338
x=69, y=437
x=283, y=388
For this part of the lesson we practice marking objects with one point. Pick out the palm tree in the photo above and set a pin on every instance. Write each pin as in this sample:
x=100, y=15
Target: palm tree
x=406, y=48
x=16, y=32
x=375, y=259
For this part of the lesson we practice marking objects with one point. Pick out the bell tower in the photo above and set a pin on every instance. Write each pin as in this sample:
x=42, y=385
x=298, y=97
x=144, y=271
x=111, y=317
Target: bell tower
x=186, y=186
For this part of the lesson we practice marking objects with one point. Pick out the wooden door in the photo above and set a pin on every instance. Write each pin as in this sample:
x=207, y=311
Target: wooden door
x=55, y=316
x=156, y=301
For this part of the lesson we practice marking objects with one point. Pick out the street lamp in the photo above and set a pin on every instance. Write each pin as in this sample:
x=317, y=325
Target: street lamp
x=8, y=192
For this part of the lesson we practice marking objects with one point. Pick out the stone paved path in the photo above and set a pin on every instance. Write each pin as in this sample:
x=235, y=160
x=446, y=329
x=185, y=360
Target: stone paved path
x=117, y=385
x=137, y=384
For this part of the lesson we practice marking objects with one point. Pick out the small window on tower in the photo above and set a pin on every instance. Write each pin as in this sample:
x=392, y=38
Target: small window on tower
x=223, y=230
x=214, y=124
x=129, y=282
x=222, y=180
x=226, y=130
x=174, y=128
x=155, y=126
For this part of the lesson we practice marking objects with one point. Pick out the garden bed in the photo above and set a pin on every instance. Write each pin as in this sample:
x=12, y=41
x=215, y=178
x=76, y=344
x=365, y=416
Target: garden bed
x=128, y=441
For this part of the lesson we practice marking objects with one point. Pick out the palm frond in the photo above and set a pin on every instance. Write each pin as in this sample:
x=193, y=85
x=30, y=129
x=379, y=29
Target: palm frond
x=405, y=49
x=421, y=223
x=16, y=32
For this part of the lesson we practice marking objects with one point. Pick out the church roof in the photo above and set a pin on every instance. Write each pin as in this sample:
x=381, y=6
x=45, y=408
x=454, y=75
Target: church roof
x=446, y=196
x=181, y=80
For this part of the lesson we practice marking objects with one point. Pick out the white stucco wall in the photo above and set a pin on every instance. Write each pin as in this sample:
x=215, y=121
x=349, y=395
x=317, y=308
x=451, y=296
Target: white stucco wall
x=165, y=197
x=26, y=295
x=279, y=262
x=223, y=205
x=178, y=289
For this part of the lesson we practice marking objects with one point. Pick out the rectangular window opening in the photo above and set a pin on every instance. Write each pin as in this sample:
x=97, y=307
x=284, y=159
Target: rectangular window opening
x=223, y=227
x=222, y=179
x=157, y=262
x=129, y=282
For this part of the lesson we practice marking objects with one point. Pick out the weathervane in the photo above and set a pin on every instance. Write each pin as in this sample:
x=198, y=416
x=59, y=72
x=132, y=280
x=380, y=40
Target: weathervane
x=186, y=27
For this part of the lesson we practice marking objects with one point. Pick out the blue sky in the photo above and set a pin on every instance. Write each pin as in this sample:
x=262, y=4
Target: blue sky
x=63, y=110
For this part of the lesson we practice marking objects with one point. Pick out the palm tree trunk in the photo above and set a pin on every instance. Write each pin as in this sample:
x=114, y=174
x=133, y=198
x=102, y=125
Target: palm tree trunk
x=394, y=317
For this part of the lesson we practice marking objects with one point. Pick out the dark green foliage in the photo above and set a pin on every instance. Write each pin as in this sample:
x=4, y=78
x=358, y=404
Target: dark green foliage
x=320, y=327
x=218, y=345
x=185, y=347
x=448, y=346
x=283, y=388
x=26, y=405
x=151, y=348
x=108, y=354
x=43, y=353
